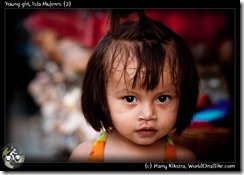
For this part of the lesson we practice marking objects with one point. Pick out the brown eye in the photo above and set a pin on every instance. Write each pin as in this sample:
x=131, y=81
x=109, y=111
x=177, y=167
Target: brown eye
x=163, y=99
x=130, y=99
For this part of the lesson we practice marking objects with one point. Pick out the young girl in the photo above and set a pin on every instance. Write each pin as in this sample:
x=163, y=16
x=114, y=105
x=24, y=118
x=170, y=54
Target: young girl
x=141, y=83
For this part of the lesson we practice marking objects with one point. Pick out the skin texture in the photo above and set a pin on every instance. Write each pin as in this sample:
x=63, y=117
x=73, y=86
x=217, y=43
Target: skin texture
x=141, y=119
x=140, y=116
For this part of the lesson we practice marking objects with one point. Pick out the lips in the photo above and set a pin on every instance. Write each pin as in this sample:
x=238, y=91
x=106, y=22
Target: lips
x=146, y=132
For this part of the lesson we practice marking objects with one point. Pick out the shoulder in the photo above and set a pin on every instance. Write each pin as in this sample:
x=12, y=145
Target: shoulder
x=184, y=154
x=81, y=152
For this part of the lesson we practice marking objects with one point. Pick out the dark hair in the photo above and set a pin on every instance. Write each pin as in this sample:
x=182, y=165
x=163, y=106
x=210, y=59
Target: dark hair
x=151, y=43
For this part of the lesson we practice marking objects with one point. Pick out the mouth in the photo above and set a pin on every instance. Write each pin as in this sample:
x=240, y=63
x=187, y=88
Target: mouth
x=146, y=132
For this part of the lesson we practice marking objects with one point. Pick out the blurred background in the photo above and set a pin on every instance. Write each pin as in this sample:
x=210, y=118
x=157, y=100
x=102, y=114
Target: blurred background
x=45, y=61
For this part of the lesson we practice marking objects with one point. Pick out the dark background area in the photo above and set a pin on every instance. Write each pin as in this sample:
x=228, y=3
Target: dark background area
x=218, y=143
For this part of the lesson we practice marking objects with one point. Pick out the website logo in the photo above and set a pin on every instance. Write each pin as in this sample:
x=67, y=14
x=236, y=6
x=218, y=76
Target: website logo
x=12, y=156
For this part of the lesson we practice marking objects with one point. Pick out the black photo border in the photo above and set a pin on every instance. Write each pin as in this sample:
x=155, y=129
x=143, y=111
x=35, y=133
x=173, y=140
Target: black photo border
x=140, y=167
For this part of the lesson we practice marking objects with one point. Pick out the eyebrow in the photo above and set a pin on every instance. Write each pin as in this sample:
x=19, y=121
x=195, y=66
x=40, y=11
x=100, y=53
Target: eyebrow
x=167, y=89
x=122, y=84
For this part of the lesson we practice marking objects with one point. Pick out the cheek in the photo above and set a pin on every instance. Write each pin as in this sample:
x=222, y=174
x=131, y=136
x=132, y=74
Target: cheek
x=167, y=118
x=122, y=115
x=122, y=118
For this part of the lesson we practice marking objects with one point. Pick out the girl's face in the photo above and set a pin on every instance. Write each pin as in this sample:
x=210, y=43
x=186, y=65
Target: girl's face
x=139, y=115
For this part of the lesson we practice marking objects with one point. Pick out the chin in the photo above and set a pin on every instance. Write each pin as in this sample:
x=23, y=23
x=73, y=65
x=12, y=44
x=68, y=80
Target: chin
x=145, y=143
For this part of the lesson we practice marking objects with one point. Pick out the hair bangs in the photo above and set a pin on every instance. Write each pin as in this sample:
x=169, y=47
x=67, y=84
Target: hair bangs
x=150, y=59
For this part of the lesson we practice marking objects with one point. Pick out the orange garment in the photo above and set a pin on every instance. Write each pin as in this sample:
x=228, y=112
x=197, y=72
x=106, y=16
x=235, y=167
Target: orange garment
x=97, y=152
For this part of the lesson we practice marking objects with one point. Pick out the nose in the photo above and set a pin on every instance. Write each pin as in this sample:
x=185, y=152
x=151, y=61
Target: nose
x=147, y=112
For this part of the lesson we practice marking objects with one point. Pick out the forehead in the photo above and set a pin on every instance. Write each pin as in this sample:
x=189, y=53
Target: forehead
x=123, y=73
x=144, y=65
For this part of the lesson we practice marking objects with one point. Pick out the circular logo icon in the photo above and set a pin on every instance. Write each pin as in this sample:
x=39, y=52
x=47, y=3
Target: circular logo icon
x=12, y=156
